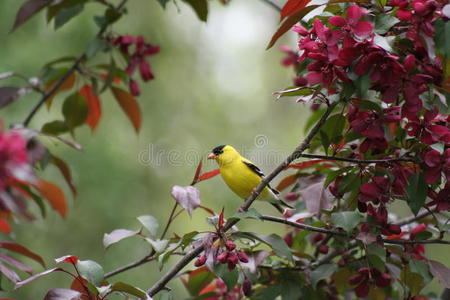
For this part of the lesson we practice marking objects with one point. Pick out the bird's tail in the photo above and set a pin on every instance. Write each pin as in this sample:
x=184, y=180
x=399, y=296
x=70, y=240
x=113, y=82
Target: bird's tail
x=279, y=204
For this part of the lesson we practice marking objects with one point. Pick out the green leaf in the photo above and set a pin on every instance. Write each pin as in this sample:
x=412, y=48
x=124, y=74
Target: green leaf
x=150, y=223
x=200, y=7
x=55, y=127
x=66, y=13
x=383, y=22
x=377, y=256
x=421, y=268
x=198, y=279
x=423, y=235
x=412, y=280
x=250, y=214
x=333, y=128
x=75, y=110
x=275, y=242
x=322, y=272
x=269, y=293
x=230, y=278
x=158, y=245
x=91, y=271
x=293, y=91
x=362, y=84
x=334, y=174
x=163, y=3
x=442, y=37
x=94, y=46
x=416, y=192
x=347, y=220
x=129, y=289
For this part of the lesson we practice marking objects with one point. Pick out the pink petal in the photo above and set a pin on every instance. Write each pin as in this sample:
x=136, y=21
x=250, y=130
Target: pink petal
x=363, y=29
x=354, y=13
x=314, y=78
x=337, y=21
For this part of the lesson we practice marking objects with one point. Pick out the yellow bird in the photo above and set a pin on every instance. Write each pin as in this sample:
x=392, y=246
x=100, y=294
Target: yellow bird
x=242, y=176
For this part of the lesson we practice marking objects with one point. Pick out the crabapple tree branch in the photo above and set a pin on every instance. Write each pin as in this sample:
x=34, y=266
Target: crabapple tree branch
x=360, y=161
x=161, y=283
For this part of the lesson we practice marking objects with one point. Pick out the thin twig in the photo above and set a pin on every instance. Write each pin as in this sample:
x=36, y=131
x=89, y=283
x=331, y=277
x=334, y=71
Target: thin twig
x=359, y=161
x=272, y=4
x=66, y=75
x=149, y=257
x=161, y=283
x=411, y=219
x=344, y=234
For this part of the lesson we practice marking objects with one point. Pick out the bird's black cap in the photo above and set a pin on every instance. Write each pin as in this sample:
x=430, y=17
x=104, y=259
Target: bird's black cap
x=218, y=150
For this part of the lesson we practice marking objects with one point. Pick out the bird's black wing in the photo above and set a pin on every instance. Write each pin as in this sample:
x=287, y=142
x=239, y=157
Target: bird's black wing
x=258, y=172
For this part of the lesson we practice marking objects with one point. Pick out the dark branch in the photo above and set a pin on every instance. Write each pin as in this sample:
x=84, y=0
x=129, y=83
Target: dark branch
x=411, y=219
x=359, y=161
x=344, y=234
x=66, y=75
x=160, y=284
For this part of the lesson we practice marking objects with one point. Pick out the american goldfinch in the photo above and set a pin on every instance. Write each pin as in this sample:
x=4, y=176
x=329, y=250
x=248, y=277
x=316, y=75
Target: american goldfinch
x=242, y=176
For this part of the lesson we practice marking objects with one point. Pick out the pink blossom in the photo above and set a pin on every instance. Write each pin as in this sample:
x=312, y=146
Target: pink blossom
x=13, y=156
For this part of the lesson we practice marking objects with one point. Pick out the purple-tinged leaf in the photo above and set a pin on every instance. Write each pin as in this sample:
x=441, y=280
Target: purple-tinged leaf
x=317, y=197
x=27, y=10
x=15, y=263
x=441, y=272
x=255, y=260
x=366, y=237
x=62, y=294
x=10, y=274
x=8, y=94
x=36, y=276
x=187, y=196
x=117, y=235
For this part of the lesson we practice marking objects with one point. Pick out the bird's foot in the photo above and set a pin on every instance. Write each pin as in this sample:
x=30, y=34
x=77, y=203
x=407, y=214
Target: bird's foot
x=254, y=193
x=241, y=209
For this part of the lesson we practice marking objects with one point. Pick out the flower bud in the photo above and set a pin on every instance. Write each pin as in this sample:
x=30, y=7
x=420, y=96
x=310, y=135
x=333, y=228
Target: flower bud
x=230, y=245
x=291, y=196
x=243, y=257
x=200, y=261
x=323, y=249
x=247, y=287
x=222, y=257
x=232, y=258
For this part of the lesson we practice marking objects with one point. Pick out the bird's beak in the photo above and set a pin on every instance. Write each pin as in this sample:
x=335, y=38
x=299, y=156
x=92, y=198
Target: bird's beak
x=212, y=156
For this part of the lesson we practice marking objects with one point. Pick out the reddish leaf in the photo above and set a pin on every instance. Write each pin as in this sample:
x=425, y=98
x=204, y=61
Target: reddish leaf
x=210, y=211
x=15, y=263
x=10, y=274
x=95, y=110
x=306, y=164
x=129, y=105
x=117, y=235
x=441, y=272
x=71, y=259
x=62, y=294
x=208, y=175
x=287, y=181
x=289, y=22
x=221, y=219
x=80, y=284
x=197, y=173
x=4, y=226
x=53, y=194
x=27, y=10
x=66, y=85
x=21, y=250
x=65, y=171
x=292, y=6
x=187, y=196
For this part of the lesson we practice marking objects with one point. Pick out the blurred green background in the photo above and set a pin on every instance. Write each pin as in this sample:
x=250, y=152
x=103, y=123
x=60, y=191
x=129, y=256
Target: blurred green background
x=213, y=86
